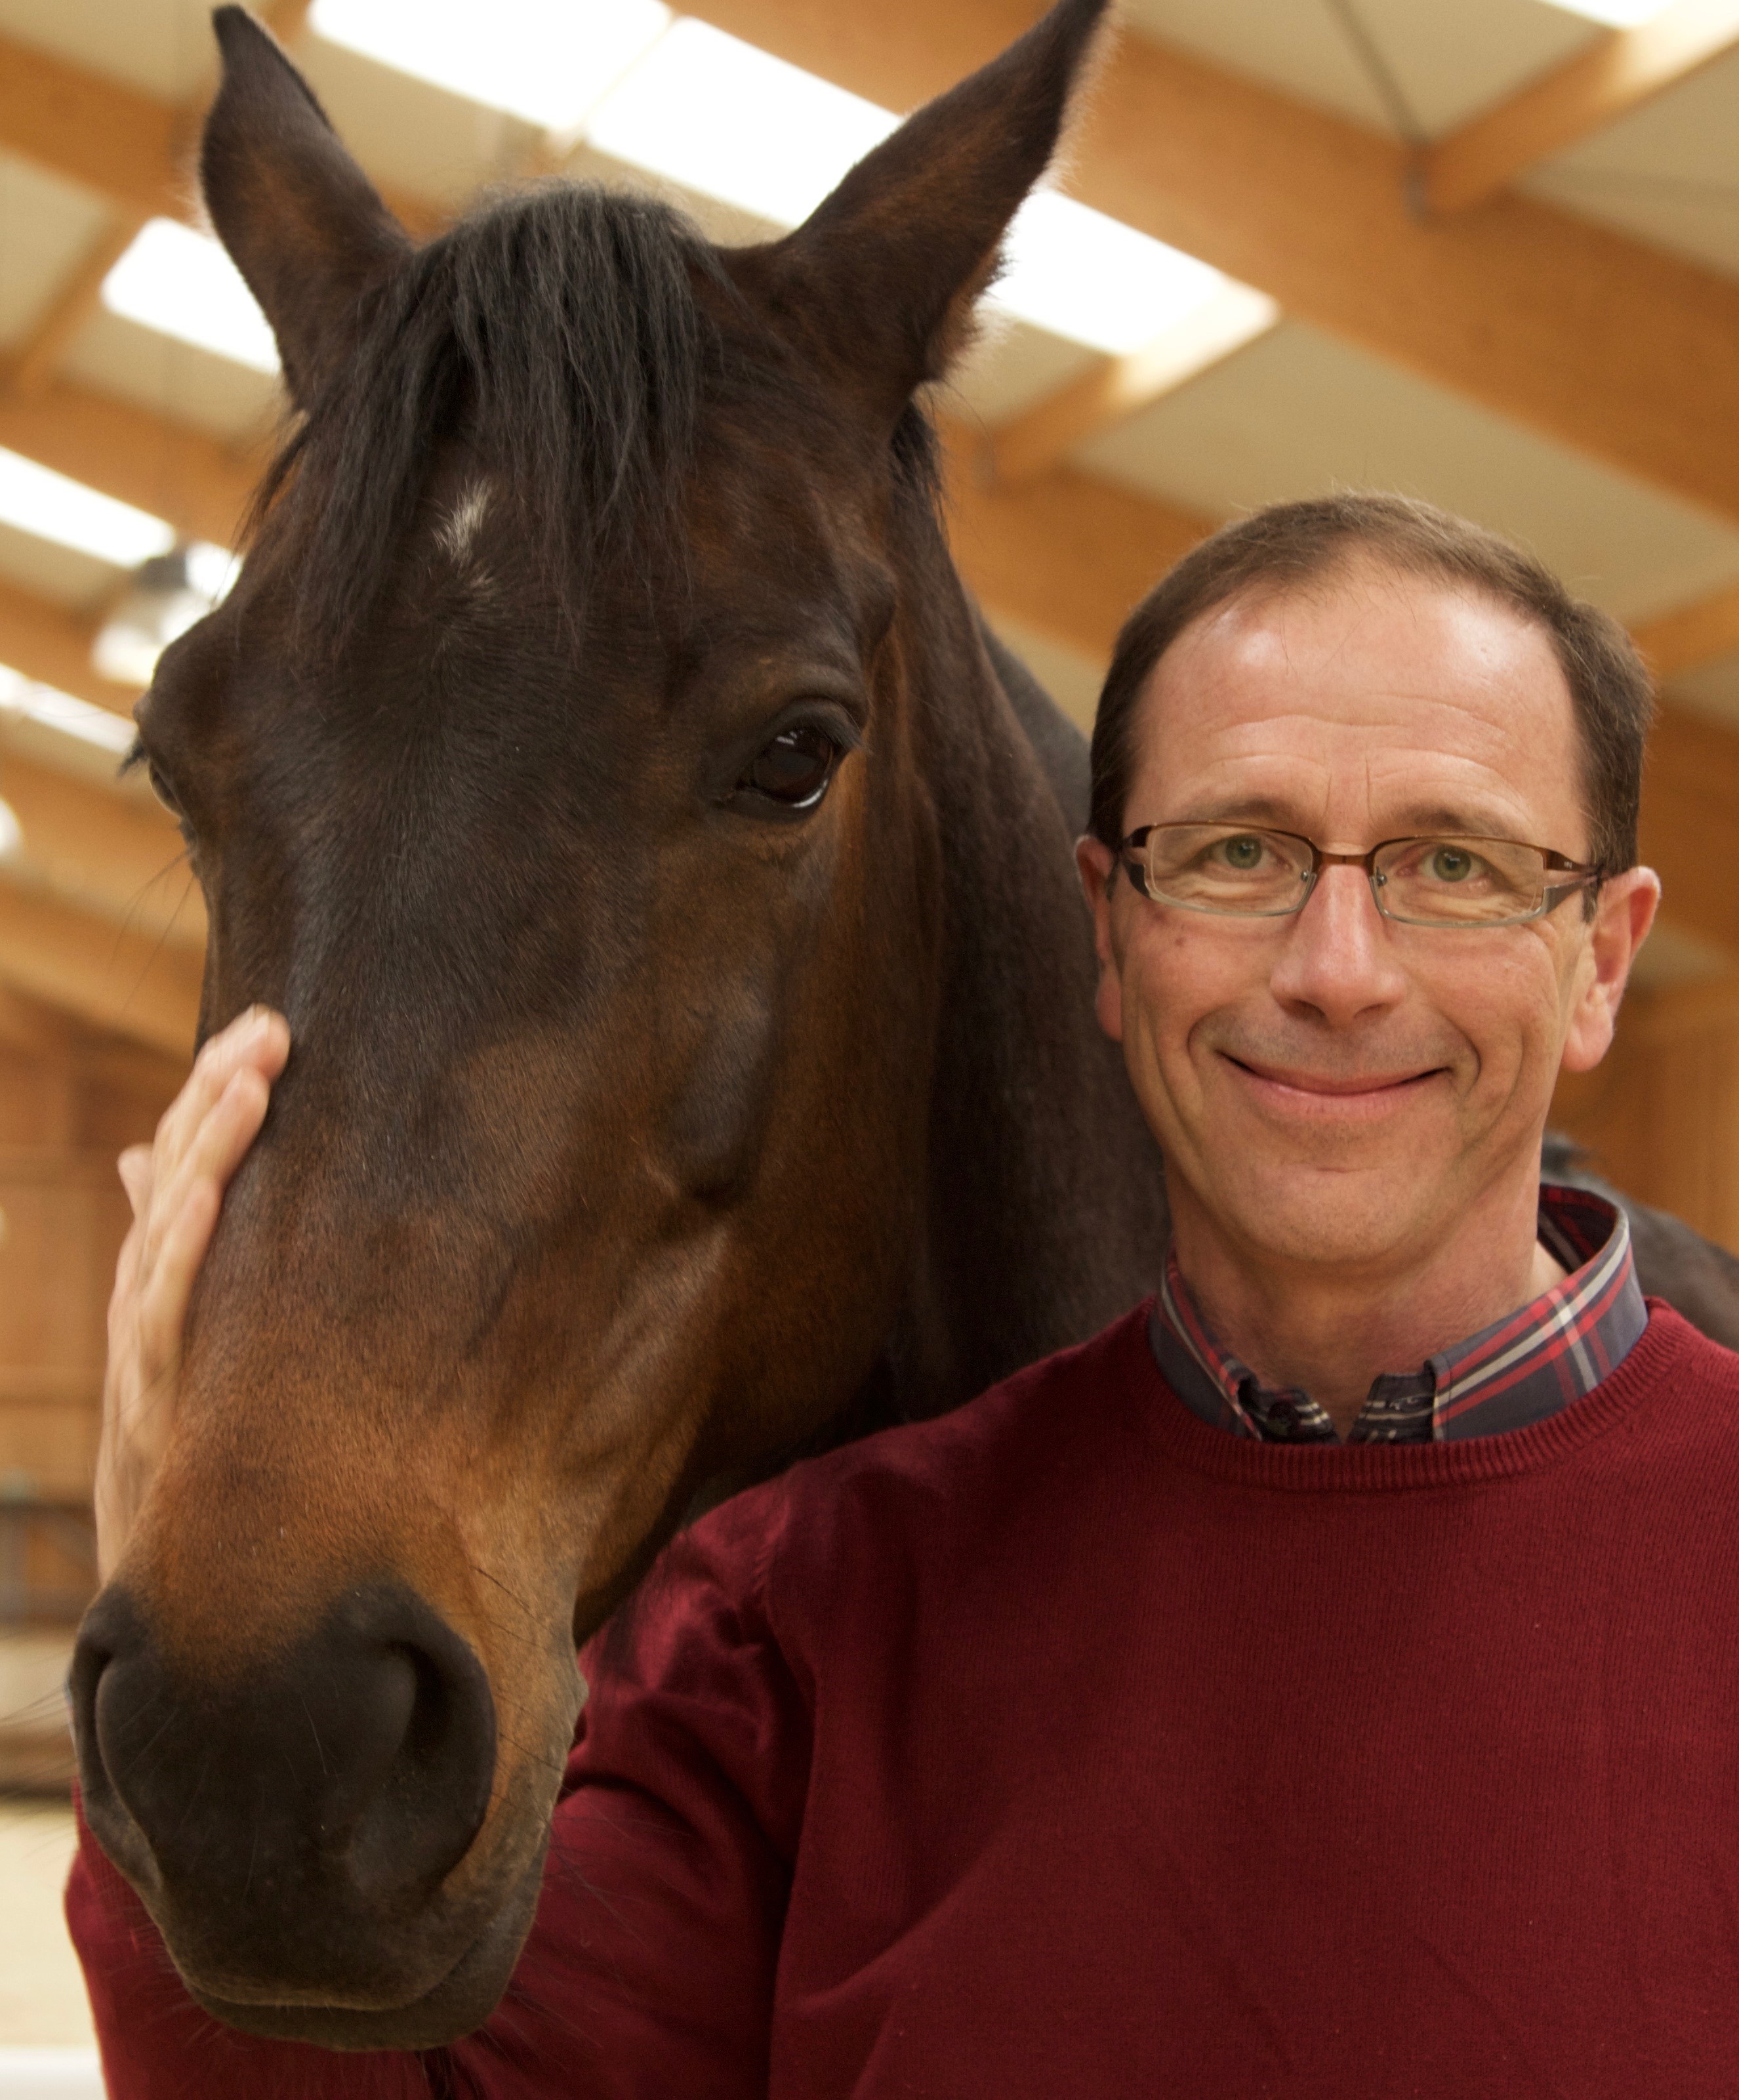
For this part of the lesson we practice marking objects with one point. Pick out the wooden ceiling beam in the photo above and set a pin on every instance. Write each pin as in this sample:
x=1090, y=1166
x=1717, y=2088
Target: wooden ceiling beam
x=117, y=856
x=79, y=296
x=105, y=137
x=201, y=486
x=34, y=364
x=1692, y=636
x=1690, y=822
x=1616, y=74
x=126, y=145
x=143, y=988
x=46, y=642
x=1063, y=552
x=1614, y=348
x=1117, y=388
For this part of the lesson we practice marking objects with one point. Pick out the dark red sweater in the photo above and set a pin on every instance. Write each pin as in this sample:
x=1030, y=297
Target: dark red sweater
x=1069, y=1747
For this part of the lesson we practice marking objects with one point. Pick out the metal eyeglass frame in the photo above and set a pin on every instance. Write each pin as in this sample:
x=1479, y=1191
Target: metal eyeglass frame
x=1582, y=872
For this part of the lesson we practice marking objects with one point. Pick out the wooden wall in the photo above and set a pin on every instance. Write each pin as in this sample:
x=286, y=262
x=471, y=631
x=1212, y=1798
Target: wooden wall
x=1661, y=1115
x=70, y=1098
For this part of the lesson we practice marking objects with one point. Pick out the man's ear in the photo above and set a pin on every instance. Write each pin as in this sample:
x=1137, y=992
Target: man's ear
x=301, y=221
x=1621, y=919
x=1098, y=869
x=883, y=276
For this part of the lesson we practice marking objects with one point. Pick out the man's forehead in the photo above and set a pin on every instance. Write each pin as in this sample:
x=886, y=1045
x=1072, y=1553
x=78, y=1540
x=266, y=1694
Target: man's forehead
x=1365, y=643
x=1426, y=691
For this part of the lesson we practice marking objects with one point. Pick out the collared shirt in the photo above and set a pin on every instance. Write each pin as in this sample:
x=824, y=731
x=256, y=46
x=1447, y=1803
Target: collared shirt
x=1519, y=1370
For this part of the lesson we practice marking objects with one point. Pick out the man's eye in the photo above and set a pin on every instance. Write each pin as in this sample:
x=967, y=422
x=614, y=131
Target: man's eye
x=1244, y=855
x=1449, y=864
x=793, y=769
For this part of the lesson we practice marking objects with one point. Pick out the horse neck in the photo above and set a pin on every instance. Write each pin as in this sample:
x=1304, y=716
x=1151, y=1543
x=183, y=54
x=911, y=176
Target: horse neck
x=1045, y=1212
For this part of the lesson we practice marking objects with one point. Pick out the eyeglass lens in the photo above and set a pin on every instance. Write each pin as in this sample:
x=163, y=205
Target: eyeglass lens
x=1220, y=867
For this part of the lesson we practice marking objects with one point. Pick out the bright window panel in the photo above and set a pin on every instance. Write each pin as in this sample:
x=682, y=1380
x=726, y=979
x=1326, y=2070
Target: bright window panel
x=721, y=117
x=1615, y=14
x=1095, y=280
x=37, y=500
x=182, y=284
x=733, y=123
x=545, y=60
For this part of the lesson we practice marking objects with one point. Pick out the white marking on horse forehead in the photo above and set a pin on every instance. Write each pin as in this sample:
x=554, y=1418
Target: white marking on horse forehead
x=457, y=532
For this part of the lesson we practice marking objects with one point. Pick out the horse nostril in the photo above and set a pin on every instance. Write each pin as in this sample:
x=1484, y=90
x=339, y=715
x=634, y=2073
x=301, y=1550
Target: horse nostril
x=106, y=1627
x=420, y=1819
x=357, y=1764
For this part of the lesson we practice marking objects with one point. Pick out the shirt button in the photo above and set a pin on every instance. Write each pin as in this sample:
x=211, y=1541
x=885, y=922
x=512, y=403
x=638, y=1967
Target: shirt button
x=1282, y=1416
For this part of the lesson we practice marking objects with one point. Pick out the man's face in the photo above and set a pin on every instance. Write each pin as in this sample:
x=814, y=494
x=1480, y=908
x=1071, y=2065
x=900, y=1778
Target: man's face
x=1333, y=1086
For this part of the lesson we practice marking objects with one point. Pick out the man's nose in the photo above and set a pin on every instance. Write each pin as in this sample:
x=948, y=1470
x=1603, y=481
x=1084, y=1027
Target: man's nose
x=1339, y=956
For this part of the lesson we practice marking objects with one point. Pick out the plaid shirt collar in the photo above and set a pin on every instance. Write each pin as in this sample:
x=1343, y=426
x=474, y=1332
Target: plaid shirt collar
x=1518, y=1371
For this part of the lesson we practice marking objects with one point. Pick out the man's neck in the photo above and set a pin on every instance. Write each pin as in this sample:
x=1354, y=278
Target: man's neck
x=1330, y=1329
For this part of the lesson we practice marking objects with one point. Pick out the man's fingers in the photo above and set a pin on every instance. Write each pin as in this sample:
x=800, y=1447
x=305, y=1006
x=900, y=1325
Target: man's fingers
x=163, y=1302
x=135, y=1165
x=175, y=1187
x=259, y=1038
x=213, y=1150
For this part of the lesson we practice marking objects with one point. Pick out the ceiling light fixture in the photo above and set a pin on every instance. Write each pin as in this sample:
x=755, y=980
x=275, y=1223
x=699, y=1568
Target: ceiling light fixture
x=182, y=284
x=545, y=60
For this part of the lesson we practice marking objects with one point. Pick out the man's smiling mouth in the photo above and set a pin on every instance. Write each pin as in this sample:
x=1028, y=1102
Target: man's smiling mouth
x=1321, y=1093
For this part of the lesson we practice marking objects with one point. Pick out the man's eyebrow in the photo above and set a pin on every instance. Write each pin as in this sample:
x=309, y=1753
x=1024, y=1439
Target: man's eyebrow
x=1243, y=810
x=1417, y=819
x=1468, y=822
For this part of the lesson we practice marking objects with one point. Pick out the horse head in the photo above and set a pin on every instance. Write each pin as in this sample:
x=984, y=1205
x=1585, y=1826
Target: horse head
x=563, y=765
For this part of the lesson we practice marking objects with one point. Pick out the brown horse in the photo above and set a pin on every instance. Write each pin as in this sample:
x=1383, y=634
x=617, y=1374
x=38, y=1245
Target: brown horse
x=669, y=888
x=600, y=764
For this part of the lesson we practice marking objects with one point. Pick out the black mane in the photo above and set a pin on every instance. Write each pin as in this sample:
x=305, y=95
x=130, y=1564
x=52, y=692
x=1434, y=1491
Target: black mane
x=561, y=334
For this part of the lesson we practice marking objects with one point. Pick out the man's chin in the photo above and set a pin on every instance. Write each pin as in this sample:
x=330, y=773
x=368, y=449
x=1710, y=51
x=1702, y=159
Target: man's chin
x=457, y=2005
x=1348, y=1219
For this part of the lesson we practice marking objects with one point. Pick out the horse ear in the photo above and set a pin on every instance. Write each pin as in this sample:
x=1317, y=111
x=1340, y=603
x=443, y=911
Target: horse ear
x=301, y=221
x=885, y=273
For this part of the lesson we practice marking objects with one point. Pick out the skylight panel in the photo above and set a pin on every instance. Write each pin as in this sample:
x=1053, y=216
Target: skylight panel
x=545, y=60
x=24, y=699
x=684, y=101
x=1615, y=14
x=182, y=284
x=718, y=115
x=1094, y=280
x=35, y=499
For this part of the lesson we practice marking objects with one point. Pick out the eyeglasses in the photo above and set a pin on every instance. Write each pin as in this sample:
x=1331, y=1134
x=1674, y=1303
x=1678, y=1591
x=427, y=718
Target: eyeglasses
x=1446, y=881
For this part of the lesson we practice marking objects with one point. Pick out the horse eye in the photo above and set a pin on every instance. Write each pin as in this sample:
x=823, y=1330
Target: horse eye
x=164, y=792
x=794, y=769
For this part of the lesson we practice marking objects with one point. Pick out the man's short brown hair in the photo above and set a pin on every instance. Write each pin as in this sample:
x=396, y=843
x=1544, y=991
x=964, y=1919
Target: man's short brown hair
x=1289, y=544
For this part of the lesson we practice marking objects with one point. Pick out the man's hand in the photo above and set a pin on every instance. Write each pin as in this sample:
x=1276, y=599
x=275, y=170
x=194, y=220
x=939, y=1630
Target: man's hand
x=175, y=1186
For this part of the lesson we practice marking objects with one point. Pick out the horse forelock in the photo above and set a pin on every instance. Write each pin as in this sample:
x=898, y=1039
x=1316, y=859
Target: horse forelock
x=569, y=336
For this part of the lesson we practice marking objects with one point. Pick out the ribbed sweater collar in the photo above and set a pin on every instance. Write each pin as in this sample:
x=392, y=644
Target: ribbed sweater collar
x=1665, y=1353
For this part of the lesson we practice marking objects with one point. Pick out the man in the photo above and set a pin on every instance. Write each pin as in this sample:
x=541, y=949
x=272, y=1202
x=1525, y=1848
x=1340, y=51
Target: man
x=1321, y=1682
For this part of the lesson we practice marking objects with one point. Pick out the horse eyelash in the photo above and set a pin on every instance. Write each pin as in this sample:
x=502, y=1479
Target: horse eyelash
x=132, y=760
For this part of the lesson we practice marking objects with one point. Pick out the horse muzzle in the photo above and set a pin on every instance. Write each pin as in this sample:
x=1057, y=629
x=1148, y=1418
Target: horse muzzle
x=300, y=1831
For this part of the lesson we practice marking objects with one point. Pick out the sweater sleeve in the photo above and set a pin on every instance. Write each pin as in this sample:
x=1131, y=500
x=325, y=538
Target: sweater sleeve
x=649, y=1969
